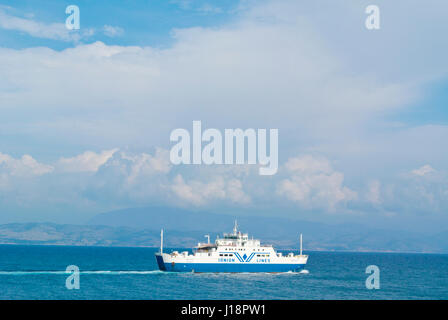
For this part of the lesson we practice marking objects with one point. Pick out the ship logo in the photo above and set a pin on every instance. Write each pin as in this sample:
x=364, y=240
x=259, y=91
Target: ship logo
x=244, y=258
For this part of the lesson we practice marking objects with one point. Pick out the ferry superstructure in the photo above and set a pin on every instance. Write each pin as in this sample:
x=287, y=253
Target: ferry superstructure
x=235, y=252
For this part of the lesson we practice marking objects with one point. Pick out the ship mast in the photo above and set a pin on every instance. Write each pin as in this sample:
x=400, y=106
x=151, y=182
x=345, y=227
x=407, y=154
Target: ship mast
x=235, y=228
x=161, y=241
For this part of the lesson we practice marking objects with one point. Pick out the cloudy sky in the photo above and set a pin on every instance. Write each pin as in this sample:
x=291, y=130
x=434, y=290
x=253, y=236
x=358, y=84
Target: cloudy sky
x=86, y=115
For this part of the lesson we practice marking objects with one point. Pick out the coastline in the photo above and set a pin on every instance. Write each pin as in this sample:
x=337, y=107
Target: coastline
x=185, y=248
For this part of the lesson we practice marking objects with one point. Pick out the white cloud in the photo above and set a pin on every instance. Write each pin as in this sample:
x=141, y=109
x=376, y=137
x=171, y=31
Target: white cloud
x=314, y=184
x=308, y=164
x=55, y=31
x=129, y=179
x=145, y=164
x=201, y=193
x=209, y=9
x=113, y=178
x=88, y=161
x=270, y=72
x=374, y=192
x=26, y=166
x=112, y=31
x=418, y=192
x=275, y=65
x=424, y=170
x=132, y=168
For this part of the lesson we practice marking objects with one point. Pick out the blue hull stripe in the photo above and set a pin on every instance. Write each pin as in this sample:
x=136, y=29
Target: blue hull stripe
x=230, y=267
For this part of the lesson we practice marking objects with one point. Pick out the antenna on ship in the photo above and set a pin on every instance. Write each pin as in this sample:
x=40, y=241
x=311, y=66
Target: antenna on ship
x=300, y=244
x=161, y=241
x=208, y=238
x=235, y=228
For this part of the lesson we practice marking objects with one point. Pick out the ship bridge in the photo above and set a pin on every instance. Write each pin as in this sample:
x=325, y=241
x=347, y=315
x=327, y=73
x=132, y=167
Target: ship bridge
x=237, y=239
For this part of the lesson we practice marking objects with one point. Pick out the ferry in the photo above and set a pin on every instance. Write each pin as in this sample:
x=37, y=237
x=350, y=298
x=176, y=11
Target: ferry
x=235, y=252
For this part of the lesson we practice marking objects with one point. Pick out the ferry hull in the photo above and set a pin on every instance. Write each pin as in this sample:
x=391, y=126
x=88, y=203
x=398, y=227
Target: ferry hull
x=234, y=253
x=227, y=267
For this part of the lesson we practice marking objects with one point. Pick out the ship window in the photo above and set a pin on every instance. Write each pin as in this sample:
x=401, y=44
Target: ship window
x=220, y=254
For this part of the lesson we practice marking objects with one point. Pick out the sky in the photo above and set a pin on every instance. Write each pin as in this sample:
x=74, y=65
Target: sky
x=86, y=115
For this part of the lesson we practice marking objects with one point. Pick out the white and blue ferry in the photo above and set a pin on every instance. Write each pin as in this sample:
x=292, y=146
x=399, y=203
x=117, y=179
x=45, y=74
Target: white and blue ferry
x=235, y=252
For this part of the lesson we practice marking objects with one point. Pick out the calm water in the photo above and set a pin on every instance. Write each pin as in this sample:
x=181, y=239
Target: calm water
x=37, y=272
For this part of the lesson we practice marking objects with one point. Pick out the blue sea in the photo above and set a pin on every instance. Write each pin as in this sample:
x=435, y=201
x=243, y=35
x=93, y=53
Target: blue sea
x=38, y=272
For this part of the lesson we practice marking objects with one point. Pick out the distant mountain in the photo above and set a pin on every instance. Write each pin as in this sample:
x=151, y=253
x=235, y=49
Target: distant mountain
x=156, y=218
x=183, y=228
x=81, y=235
x=277, y=230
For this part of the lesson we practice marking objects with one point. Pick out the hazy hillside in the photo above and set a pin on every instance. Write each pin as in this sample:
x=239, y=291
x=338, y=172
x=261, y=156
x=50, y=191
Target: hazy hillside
x=141, y=227
x=281, y=231
x=155, y=218
x=55, y=234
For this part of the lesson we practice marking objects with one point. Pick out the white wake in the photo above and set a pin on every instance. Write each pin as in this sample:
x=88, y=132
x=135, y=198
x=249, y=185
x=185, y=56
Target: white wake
x=107, y=272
